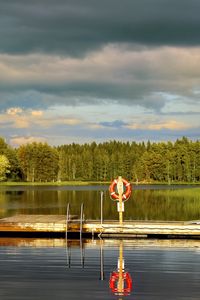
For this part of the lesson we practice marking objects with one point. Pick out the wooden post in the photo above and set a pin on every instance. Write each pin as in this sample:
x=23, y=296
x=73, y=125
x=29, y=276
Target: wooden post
x=120, y=189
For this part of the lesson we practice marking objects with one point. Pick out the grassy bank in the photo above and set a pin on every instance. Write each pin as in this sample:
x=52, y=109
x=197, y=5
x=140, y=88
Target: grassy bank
x=63, y=183
x=85, y=183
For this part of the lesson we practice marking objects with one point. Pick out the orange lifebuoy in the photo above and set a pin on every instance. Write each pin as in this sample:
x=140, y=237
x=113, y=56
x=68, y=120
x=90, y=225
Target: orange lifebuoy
x=114, y=195
x=127, y=286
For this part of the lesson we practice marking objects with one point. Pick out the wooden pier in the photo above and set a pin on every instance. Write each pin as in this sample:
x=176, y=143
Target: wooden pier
x=56, y=225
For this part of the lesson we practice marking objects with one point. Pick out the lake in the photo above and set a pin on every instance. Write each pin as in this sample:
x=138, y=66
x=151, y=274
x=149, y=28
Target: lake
x=34, y=269
x=147, y=202
x=139, y=269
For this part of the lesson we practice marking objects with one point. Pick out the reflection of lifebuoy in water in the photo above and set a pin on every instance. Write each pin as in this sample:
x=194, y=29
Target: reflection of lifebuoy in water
x=114, y=195
x=127, y=283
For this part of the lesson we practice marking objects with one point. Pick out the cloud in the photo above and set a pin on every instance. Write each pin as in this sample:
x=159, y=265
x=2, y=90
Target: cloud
x=22, y=122
x=99, y=69
x=37, y=113
x=170, y=124
x=20, y=140
x=75, y=27
x=53, y=130
x=14, y=111
x=16, y=117
x=111, y=75
x=95, y=126
x=115, y=124
x=49, y=122
x=68, y=121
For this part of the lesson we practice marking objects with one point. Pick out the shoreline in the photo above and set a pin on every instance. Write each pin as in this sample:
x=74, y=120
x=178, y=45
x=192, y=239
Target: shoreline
x=87, y=183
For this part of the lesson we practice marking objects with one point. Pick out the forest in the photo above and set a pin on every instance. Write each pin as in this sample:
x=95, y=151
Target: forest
x=148, y=162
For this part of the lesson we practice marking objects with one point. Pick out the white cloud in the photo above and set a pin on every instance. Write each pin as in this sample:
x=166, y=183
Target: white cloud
x=18, y=118
x=169, y=124
x=36, y=113
x=14, y=111
x=20, y=140
x=67, y=121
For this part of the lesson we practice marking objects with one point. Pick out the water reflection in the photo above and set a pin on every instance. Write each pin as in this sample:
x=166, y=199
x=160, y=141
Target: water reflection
x=151, y=203
x=102, y=274
x=120, y=281
x=69, y=254
x=96, y=243
x=35, y=269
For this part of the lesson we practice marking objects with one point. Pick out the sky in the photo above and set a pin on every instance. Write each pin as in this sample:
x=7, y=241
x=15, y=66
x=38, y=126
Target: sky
x=82, y=71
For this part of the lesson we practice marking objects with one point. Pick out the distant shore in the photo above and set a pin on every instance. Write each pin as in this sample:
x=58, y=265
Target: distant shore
x=85, y=183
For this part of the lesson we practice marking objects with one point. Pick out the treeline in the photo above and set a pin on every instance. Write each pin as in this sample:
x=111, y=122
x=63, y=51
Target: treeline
x=142, y=162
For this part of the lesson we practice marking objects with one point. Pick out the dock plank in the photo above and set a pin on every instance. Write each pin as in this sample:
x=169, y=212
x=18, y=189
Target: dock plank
x=36, y=219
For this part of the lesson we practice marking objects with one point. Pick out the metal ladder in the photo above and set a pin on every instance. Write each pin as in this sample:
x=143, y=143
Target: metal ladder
x=82, y=219
x=68, y=249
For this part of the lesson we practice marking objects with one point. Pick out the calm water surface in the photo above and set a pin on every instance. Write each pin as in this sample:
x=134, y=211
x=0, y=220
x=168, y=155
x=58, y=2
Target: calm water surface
x=146, y=203
x=51, y=269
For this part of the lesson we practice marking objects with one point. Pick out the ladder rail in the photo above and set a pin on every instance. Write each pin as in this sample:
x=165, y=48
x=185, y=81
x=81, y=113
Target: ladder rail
x=67, y=218
x=81, y=220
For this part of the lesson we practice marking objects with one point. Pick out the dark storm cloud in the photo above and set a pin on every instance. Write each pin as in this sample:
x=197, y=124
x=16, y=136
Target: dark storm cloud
x=74, y=27
x=80, y=93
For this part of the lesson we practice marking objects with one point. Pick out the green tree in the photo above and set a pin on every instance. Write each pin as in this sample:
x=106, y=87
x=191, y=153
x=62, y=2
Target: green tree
x=15, y=171
x=39, y=162
x=4, y=167
x=170, y=162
